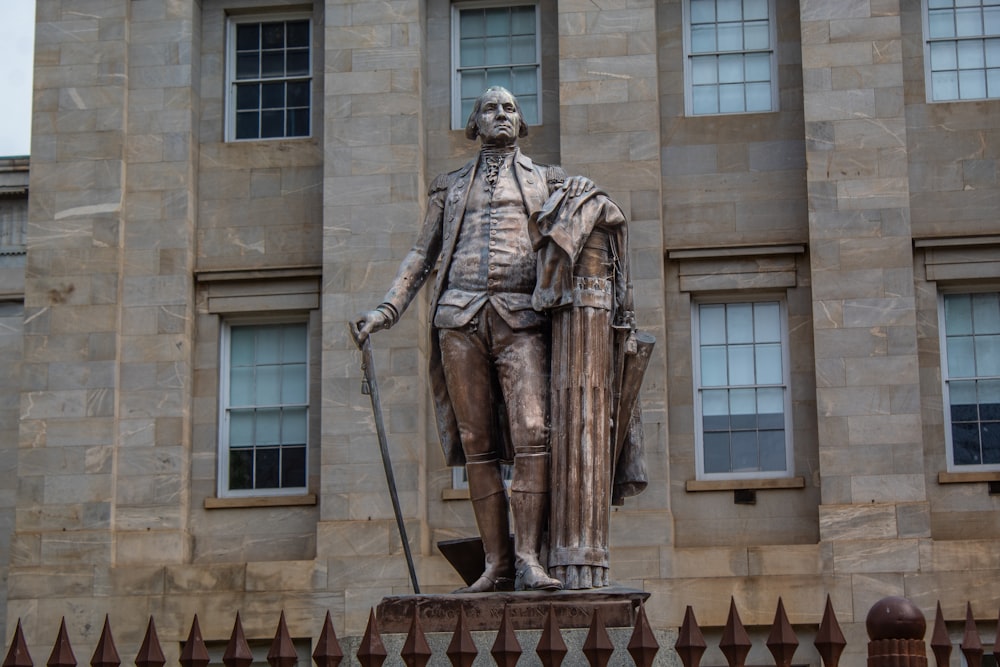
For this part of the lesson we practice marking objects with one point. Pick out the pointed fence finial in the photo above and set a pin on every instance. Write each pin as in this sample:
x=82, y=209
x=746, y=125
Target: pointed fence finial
x=642, y=645
x=194, y=653
x=416, y=652
x=972, y=646
x=17, y=654
x=551, y=648
x=106, y=653
x=940, y=641
x=735, y=643
x=372, y=651
x=237, y=652
x=62, y=652
x=598, y=646
x=506, y=649
x=830, y=640
x=782, y=641
x=282, y=652
x=462, y=650
x=327, y=652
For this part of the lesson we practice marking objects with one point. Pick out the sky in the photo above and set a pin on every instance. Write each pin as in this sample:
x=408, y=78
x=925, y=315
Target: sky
x=17, y=45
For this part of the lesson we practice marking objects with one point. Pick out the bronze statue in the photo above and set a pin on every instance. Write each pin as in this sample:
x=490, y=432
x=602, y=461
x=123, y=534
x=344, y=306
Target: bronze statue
x=508, y=233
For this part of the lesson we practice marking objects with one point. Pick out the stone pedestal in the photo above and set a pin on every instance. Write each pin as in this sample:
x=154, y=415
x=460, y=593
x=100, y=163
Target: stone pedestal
x=483, y=611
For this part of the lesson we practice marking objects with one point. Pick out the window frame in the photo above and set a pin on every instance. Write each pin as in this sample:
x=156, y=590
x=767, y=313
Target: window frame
x=223, y=489
x=696, y=373
x=951, y=466
x=231, y=82
x=928, y=41
x=458, y=119
x=772, y=50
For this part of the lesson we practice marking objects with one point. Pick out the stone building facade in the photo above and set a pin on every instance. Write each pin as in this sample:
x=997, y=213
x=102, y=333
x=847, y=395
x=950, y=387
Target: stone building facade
x=848, y=207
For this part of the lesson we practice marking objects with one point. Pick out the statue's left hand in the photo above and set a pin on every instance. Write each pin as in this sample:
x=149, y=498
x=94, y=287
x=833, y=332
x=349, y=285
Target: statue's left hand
x=578, y=185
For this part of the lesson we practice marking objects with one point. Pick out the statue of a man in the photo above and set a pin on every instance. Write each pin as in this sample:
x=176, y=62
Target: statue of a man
x=491, y=349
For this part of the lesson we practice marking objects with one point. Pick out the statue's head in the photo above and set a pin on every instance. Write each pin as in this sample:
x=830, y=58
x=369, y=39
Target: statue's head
x=496, y=118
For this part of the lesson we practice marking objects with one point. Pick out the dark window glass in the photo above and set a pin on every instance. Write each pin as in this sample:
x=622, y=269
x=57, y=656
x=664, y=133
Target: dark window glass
x=267, y=468
x=241, y=469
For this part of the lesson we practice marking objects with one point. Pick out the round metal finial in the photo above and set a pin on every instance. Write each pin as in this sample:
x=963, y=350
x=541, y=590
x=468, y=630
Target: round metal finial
x=895, y=618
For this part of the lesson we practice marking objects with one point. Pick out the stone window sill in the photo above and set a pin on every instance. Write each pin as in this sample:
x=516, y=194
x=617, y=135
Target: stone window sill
x=260, y=501
x=696, y=485
x=968, y=477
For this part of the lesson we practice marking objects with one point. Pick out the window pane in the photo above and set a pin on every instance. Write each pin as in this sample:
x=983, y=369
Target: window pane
x=743, y=408
x=715, y=409
x=498, y=77
x=297, y=63
x=993, y=52
x=247, y=125
x=703, y=39
x=766, y=322
x=702, y=11
x=522, y=20
x=965, y=444
x=297, y=33
x=473, y=84
x=757, y=67
x=756, y=35
x=968, y=22
x=712, y=324
x=704, y=70
x=963, y=398
x=754, y=10
x=241, y=469
x=268, y=427
x=272, y=64
x=522, y=49
x=267, y=473
x=294, y=426
x=471, y=53
x=529, y=107
x=739, y=323
x=716, y=454
x=989, y=399
x=293, y=467
x=941, y=23
x=705, y=99
x=987, y=355
x=241, y=428
x=741, y=364
x=248, y=98
x=758, y=96
x=267, y=390
x=247, y=36
x=293, y=383
x=993, y=82
x=731, y=98
x=958, y=314
x=971, y=84
x=772, y=450
x=472, y=23
x=943, y=56
x=744, y=444
x=768, y=360
x=497, y=21
x=730, y=10
x=991, y=20
x=272, y=123
x=497, y=50
x=297, y=123
x=247, y=66
x=944, y=85
x=985, y=313
x=241, y=346
x=298, y=94
x=730, y=68
x=523, y=82
x=771, y=408
x=241, y=386
x=713, y=366
x=970, y=55
x=961, y=359
x=989, y=434
x=272, y=95
x=730, y=37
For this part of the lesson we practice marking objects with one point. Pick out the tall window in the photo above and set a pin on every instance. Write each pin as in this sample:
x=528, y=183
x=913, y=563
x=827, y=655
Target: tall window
x=265, y=409
x=495, y=45
x=741, y=390
x=269, y=77
x=970, y=369
x=730, y=64
x=962, y=49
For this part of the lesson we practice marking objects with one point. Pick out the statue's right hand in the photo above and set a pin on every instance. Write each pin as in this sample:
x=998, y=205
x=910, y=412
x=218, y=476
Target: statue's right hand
x=368, y=323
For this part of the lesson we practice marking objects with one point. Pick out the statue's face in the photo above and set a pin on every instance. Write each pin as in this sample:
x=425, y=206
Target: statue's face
x=498, y=121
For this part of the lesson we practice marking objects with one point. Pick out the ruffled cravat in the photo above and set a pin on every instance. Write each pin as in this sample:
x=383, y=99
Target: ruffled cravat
x=491, y=159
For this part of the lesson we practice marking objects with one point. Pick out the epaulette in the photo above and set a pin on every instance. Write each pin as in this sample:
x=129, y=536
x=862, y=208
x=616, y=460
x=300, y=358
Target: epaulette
x=439, y=183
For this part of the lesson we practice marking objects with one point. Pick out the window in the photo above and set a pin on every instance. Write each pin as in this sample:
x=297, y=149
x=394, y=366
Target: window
x=729, y=64
x=962, y=49
x=265, y=409
x=460, y=480
x=970, y=369
x=269, y=78
x=495, y=46
x=741, y=390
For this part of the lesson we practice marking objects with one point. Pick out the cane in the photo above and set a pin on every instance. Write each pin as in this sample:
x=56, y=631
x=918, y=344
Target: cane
x=370, y=387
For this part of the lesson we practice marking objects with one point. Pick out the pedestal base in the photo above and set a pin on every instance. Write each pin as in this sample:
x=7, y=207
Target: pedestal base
x=483, y=611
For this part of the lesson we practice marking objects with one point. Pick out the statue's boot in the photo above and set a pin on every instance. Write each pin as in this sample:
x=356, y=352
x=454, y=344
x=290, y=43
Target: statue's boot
x=489, y=504
x=529, y=504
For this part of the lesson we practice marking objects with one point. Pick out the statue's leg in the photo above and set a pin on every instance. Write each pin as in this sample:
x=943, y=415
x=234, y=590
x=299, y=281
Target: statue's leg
x=522, y=365
x=466, y=367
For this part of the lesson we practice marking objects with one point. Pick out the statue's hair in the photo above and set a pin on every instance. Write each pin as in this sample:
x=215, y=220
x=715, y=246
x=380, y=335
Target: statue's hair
x=471, y=128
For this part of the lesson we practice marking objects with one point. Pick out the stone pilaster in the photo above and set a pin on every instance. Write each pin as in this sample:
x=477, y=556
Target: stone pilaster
x=861, y=257
x=373, y=185
x=610, y=131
